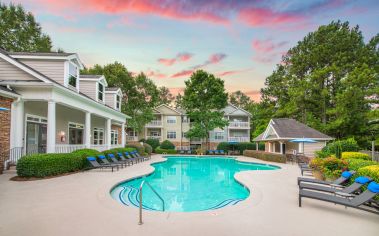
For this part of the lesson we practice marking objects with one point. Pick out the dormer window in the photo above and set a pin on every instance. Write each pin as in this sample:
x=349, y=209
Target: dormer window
x=118, y=102
x=100, y=92
x=72, y=75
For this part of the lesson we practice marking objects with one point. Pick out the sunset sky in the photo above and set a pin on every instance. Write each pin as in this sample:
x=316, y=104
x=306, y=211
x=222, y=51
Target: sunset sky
x=239, y=41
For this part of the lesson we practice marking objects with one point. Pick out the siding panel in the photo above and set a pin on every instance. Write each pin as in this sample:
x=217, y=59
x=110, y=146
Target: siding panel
x=11, y=72
x=52, y=69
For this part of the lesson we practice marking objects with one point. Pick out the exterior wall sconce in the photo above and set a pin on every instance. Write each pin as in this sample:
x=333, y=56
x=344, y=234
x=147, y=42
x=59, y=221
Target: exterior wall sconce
x=62, y=135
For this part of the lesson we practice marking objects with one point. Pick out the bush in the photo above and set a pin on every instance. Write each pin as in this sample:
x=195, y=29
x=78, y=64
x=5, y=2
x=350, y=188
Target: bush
x=237, y=147
x=140, y=149
x=331, y=167
x=355, y=155
x=336, y=147
x=355, y=164
x=148, y=148
x=153, y=142
x=266, y=156
x=42, y=165
x=370, y=171
x=159, y=150
x=114, y=151
x=167, y=145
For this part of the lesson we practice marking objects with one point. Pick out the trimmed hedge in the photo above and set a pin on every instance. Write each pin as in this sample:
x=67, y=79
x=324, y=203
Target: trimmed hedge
x=148, y=148
x=371, y=171
x=153, y=142
x=355, y=155
x=140, y=149
x=167, y=144
x=42, y=165
x=265, y=156
x=355, y=164
x=338, y=146
x=159, y=150
x=237, y=147
x=114, y=151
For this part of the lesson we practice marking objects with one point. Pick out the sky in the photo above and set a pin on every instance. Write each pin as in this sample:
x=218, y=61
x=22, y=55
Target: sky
x=239, y=41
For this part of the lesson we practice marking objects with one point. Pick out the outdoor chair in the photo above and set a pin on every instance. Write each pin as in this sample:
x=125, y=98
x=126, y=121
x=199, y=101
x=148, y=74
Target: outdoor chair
x=133, y=159
x=137, y=155
x=216, y=152
x=128, y=161
x=362, y=201
x=345, y=176
x=115, y=161
x=210, y=152
x=354, y=187
x=222, y=152
x=105, y=161
x=182, y=152
x=97, y=165
x=189, y=152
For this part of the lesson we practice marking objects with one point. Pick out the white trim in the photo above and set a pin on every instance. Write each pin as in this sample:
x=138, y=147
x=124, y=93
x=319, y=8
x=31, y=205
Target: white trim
x=238, y=108
x=8, y=94
x=268, y=128
x=118, y=91
x=93, y=135
x=24, y=68
x=50, y=57
x=169, y=108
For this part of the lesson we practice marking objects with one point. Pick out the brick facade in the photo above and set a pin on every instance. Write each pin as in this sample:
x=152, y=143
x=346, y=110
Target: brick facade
x=118, y=128
x=5, y=129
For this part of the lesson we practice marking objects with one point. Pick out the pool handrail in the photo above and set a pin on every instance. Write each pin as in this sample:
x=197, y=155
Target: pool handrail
x=140, y=199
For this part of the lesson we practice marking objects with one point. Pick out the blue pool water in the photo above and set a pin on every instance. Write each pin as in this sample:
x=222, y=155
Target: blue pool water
x=189, y=184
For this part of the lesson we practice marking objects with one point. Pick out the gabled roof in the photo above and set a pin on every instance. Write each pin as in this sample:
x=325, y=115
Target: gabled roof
x=285, y=128
x=56, y=54
x=235, y=109
x=90, y=76
x=112, y=89
x=94, y=78
x=164, y=105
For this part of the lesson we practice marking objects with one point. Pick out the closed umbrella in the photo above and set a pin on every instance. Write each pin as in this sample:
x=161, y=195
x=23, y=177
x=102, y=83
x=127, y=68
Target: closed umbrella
x=4, y=109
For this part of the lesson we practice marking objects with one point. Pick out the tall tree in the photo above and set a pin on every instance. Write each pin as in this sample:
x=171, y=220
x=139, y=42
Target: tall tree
x=165, y=96
x=178, y=100
x=239, y=99
x=327, y=79
x=140, y=94
x=204, y=97
x=20, y=32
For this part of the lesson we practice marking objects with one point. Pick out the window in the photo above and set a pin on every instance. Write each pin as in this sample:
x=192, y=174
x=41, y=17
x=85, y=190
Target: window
x=219, y=135
x=100, y=92
x=118, y=102
x=132, y=133
x=171, y=119
x=155, y=134
x=185, y=119
x=75, y=133
x=171, y=135
x=98, y=136
x=72, y=74
x=184, y=135
x=114, y=137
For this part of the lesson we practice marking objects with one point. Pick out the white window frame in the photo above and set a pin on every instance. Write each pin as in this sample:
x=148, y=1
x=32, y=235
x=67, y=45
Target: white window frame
x=67, y=75
x=172, y=121
x=97, y=141
x=219, y=135
x=77, y=126
x=98, y=91
x=169, y=136
x=117, y=103
x=114, y=137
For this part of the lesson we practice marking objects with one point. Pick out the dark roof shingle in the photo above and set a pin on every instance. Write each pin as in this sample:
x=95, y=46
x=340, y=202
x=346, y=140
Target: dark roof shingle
x=290, y=128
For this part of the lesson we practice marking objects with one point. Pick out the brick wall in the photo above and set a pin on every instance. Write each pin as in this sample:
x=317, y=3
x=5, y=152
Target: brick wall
x=118, y=128
x=5, y=128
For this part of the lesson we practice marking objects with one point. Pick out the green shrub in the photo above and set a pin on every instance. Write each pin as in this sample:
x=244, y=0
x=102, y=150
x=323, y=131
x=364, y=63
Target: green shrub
x=86, y=152
x=266, y=156
x=339, y=146
x=159, y=150
x=355, y=155
x=331, y=167
x=236, y=146
x=42, y=165
x=245, y=146
x=114, y=151
x=355, y=164
x=153, y=142
x=224, y=146
x=167, y=145
x=140, y=149
x=148, y=148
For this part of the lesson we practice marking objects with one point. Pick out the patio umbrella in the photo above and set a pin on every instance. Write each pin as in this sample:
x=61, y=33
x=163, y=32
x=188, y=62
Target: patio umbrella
x=303, y=140
x=4, y=109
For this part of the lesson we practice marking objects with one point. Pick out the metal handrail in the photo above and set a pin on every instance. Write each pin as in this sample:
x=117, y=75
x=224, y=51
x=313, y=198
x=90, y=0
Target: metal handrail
x=140, y=199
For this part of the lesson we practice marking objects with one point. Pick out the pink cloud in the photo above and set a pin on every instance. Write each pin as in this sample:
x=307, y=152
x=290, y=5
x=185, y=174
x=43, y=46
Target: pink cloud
x=232, y=72
x=176, y=90
x=182, y=73
x=181, y=57
x=216, y=58
x=155, y=74
x=257, y=17
x=255, y=95
x=267, y=46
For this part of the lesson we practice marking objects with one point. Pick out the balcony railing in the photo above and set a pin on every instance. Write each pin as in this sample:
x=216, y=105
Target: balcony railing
x=67, y=148
x=239, y=124
x=100, y=148
x=132, y=138
x=154, y=137
x=238, y=139
x=154, y=123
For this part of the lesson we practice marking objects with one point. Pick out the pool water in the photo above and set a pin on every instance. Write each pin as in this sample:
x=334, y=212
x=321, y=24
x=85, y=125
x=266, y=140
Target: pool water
x=189, y=184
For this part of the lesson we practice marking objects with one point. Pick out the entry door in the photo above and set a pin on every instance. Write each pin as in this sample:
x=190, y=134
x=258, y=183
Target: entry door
x=36, y=137
x=76, y=136
x=284, y=148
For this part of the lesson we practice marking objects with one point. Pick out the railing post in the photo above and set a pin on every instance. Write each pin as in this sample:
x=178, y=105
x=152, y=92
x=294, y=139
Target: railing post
x=140, y=206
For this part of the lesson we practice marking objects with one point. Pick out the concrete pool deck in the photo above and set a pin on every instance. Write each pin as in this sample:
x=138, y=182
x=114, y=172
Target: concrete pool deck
x=80, y=204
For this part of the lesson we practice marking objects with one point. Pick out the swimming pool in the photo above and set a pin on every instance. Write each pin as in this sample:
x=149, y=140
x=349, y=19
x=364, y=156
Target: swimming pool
x=189, y=184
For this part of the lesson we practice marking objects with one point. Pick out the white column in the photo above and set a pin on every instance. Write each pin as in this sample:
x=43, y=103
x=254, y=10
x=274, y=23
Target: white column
x=51, y=127
x=123, y=134
x=281, y=147
x=87, y=127
x=256, y=146
x=108, y=133
x=269, y=147
x=17, y=124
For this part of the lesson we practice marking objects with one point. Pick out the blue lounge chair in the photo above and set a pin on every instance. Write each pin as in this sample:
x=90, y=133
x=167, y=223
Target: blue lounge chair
x=115, y=161
x=135, y=154
x=210, y=152
x=130, y=157
x=96, y=165
x=121, y=157
x=222, y=152
x=345, y=176
x=353, y=188
x=216, y=152
x=105, y=161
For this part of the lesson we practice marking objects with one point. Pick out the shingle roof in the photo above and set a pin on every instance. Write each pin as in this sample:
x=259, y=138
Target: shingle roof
x=290, y=128
x=58, y=54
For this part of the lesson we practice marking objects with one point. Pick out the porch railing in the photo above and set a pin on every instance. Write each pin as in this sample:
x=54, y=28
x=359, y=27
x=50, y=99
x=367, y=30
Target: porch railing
x=238, y=139
x=67, y=148
x=239, y=124
x=116, y=146
x=12, y=155
x=100, y=148
x=154, y=123
x=131, y=138
x=154, y=137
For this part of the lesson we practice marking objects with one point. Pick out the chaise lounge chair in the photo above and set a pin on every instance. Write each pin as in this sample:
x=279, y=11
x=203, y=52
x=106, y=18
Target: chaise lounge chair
x=182, y=152
x=115, y=161
x=345, y=176
x=216, y=152
x=138, y=156
x=122, y=158
x=189, y=152
x=105, y=161
x=222, y=152
x=362, y=201
x=210, y=152
x=358, y=183
x=97, y=165
x=133, y=159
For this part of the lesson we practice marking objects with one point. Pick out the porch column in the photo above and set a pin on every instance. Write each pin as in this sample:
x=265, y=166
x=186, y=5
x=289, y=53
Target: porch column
x=281, y=147
x=256, y=146
x=269, y=147
x=108, y=139
x=51, y=126
x=87, y=127
x=123, y=134
x=17, y=124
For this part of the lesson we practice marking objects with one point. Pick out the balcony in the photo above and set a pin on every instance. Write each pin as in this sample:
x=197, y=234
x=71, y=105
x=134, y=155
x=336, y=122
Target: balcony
x=154, y=137
x=132, y=138
x=239, y=125
x=154, y=123
x=238, y=139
